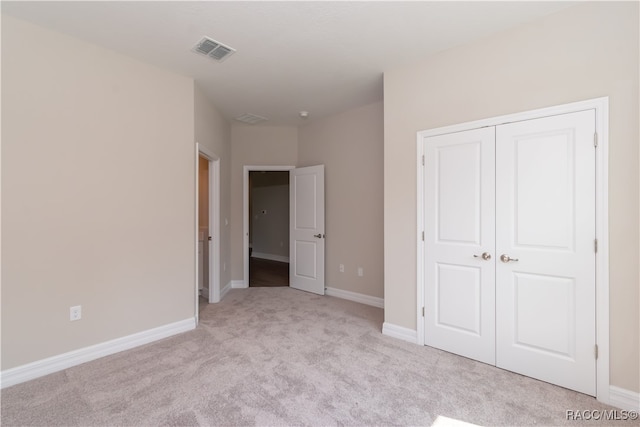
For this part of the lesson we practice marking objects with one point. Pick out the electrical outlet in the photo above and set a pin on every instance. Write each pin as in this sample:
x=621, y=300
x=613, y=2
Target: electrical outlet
x=75, y=313
x=341, y=268
x=360, y=272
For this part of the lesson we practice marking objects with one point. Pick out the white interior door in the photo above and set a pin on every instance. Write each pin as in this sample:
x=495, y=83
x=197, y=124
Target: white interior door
x=545, y=216
x=459, y=243
x=307, y=237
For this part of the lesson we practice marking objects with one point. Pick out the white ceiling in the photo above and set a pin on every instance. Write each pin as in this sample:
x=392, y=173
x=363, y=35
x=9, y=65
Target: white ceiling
x=320, y=56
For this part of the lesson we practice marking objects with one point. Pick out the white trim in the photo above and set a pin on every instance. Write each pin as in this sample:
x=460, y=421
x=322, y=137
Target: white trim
x=196, y=224
x=213, y=295
x=238, y=284
x=271, y=257
x=67, y=360
x=624, y=399
x=354, y=296
x=590, y=104
x=225, y=290
x=602, y=256
x=214, y=218
x=601, y=107
x=420, y=338
x=245, y=212
x=399, y=332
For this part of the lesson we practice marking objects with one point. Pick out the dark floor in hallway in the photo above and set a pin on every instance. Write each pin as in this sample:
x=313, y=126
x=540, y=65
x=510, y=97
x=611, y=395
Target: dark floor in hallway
x=264, y=272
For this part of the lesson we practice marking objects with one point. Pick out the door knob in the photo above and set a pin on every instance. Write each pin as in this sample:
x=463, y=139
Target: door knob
x=485, y=256
x=507, y=258
x=319, y=236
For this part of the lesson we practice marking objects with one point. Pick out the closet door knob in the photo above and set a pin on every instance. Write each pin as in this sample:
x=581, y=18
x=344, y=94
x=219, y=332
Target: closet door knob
x=485, y=256
x=506, y=258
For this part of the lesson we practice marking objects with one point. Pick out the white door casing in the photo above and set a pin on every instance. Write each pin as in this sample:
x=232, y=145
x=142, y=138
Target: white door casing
x=214, y=229
x=214, y=223
x=527, y=339
x=307, y=233
x=545, y=216
x=459, y=240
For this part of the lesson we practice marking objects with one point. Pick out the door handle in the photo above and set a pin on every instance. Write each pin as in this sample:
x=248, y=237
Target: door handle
x=319, y=236
x=485, y=256
x=507, y=258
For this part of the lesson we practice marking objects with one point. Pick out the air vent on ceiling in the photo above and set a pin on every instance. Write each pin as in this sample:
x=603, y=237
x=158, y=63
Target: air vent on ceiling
x=251, y=119
x=213, y=49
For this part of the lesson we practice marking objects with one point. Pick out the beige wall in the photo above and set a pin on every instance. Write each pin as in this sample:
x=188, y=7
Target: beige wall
x=350, y=145
x=97, y=194
x=214, y=133
x=586, y=51
x=254, y=146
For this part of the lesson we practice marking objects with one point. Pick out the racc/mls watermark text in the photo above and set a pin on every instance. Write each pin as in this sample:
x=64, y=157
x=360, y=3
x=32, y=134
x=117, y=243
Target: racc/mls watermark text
x=601, y=415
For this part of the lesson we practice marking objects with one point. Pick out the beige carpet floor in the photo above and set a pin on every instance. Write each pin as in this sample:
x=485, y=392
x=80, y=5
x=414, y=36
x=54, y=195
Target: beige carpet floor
x=277, y=356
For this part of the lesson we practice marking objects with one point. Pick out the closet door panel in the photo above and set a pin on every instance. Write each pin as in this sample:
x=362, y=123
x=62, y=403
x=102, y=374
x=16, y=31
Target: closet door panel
x=459, y=229
x=545, y=268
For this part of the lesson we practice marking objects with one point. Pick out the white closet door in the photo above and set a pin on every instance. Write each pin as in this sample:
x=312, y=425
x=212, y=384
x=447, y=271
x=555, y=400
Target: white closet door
x=459, y=229
x=545, y=260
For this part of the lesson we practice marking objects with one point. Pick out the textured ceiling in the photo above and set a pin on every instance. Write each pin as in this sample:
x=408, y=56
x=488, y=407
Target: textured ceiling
x=323, y=57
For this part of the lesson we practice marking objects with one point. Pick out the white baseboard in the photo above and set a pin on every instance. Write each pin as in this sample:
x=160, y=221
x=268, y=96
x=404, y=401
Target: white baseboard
x=624, y=399
x=225, y=290
x=238, y=284
x=63, y=361
x=400, y=332
x=354, y=296
x=261, y=255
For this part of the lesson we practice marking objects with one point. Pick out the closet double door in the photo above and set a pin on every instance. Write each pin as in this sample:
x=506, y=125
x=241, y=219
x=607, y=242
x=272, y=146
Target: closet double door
x=509, y=247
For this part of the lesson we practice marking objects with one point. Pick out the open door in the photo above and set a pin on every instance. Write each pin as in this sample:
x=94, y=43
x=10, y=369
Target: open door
x=306, y=234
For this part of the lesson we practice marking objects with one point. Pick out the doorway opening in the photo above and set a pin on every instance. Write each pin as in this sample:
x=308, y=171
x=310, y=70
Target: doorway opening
x=207, y=227
x=203, y=229
x=306, y=226
x=268, y=228
x=266, y=225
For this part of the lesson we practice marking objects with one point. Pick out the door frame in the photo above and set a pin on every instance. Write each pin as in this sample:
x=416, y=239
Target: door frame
x=601, y=107
x=245, y=213
x=214, y=223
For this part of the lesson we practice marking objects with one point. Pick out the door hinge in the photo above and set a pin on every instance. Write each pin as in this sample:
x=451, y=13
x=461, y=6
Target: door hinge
x=423, y=236
x=595, y=139
x=423, y=160
x=595, y=245
x=422, y=311
x=595, y=351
